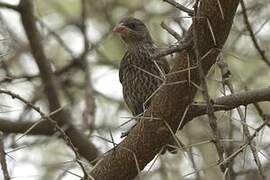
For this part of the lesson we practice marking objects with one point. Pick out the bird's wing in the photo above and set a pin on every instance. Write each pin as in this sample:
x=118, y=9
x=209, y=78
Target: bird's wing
x=162, y=62
x=122, y=64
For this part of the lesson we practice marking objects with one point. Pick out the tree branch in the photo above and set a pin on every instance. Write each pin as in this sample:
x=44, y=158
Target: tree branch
x=180, y=7
x=230, y=102
x=43, y=128
x=252, y=34
x=168, y=106
x=85, y=148
x=224, y=103
x=3, y=158
x=8, y=6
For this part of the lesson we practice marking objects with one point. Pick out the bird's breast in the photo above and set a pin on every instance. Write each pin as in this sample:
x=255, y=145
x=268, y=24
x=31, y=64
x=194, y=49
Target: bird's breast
x=140, y=77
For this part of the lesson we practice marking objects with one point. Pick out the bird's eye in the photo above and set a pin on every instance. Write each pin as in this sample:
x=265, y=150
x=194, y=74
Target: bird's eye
x=132, y=26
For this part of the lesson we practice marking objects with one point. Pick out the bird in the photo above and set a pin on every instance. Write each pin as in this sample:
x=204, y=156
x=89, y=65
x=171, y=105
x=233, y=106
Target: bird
x=139, y=74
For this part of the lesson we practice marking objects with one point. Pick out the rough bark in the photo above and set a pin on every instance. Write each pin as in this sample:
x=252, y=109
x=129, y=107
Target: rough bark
x=150, y=134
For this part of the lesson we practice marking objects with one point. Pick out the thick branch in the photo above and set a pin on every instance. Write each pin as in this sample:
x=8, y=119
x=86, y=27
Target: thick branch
x=230, y=102
x=151, y=133
x=43, y=128
x=81, y=142
x=220, y=104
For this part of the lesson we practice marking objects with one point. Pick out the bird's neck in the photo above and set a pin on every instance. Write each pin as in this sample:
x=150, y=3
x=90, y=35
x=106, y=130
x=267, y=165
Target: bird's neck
x=140, y=45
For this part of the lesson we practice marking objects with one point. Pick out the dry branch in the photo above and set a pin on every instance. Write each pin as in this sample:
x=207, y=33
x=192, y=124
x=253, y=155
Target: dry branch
x=85, y=148
x=227, y=82
x=224, y=103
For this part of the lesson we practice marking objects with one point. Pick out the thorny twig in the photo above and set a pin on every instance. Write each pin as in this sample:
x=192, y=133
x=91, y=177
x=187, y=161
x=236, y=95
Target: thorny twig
x=238, y=151
x=44, y=116
x=227, y=82
x=196, y=109
x=177, y=50
x=171, y=50
x=210, y=109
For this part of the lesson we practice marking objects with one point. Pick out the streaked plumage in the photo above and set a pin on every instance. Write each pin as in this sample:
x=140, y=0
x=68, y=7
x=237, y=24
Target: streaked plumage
x=140, y=75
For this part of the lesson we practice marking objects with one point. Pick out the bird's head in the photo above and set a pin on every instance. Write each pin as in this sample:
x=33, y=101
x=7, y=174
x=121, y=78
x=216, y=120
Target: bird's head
x=133, y=31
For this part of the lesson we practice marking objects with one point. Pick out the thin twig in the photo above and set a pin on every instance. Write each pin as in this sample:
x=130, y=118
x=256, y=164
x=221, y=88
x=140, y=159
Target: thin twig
x=89, y=111
x=252, y=34
x=210, y=109
x=44, y=116
x=57, y=37
x=171, y=50
x=171, y=32
x=227, y=82
x=244, y=145
x=223, y=103
x=238, y=151
x=3, y=158
x=51, y=88
x=180, y=7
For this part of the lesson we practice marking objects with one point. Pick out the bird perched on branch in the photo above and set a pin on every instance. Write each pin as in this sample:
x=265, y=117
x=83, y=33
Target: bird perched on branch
x=139, y=74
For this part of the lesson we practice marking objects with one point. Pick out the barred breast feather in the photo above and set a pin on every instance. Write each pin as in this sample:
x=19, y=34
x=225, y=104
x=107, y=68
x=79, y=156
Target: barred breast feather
x=141, y=76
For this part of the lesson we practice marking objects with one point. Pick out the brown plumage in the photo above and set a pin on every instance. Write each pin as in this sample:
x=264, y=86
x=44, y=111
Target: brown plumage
x=140, y=75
